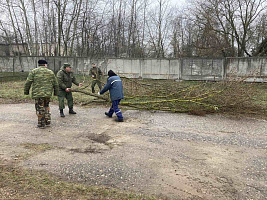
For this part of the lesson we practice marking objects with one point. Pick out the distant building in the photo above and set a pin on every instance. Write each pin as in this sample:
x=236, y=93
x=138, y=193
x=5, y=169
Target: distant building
x=13, y=49
x=22, y=49
x=47, y=49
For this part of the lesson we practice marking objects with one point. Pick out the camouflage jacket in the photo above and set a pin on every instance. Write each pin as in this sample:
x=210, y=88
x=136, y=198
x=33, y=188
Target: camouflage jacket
x=65, y=79
x=96, y=72
x=43, y=82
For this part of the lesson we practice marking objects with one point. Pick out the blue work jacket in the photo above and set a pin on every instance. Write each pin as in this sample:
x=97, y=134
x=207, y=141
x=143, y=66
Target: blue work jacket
x=114, y=85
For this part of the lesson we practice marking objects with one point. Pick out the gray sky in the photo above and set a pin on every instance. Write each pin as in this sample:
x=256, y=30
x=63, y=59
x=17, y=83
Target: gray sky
x=179, y=2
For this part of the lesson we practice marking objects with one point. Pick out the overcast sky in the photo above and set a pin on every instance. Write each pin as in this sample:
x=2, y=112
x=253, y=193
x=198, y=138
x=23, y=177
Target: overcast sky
x=178, y=2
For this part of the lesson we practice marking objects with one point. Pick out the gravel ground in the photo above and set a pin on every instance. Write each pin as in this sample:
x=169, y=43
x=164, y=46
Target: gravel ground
x=177, y=156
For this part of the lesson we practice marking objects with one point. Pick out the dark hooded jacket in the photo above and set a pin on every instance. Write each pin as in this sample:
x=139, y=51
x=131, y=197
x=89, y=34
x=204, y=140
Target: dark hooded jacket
x=114, y=85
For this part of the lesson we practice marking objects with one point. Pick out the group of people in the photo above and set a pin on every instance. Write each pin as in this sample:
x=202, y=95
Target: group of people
x=44, y=84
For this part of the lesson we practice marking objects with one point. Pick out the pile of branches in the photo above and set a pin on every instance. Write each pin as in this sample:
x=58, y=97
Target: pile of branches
x=191, y=97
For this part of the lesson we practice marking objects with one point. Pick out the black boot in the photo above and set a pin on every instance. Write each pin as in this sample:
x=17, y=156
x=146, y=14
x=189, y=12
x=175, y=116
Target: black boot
x=40, y=126
x=119, y=120
x=62, y=113
x=106, y=113
x=71, y=111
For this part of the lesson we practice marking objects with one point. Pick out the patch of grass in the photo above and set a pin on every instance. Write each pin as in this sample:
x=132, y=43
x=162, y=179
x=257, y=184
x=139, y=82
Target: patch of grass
x=100, y=138
x=38, y=147
x=13, y=90
x=90, y=149
x=81, y=99
x=260, y=97
x=13, y=76
x=198, y=98
x=194, y=97
x=17, y=183
x=34, y=148
x=239, y=98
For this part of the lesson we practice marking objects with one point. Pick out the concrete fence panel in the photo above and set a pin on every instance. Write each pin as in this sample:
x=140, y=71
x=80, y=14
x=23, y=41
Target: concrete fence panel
x=115, y=65
x=146, y=68
x=6, y=64
x=83, y=66
x=135, y=68
x=157, y=69
x=164, y=69
x=264, y=68
x=202, y=69
x=127, y=68
x=174, y=69
x=252, y=69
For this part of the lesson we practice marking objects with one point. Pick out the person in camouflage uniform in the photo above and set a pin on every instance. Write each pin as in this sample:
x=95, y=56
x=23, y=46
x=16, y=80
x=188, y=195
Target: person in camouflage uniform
x=96, y=74
x=44, y=83
x=65, y=79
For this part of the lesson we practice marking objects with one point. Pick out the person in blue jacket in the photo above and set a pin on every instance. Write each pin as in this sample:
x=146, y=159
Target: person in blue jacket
x=114, y=85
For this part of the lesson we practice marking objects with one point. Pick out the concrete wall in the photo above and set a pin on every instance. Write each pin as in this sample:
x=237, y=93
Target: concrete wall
x=251, y=69
x=202, y=69
x=145, y=68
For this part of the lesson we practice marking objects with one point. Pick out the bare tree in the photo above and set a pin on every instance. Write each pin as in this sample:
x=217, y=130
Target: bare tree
x=27, y=26
x=231, y=19
x=12, y=22
x=158, y=27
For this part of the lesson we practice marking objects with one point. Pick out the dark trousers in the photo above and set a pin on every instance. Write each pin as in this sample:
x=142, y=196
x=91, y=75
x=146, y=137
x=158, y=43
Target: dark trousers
x=43, y=111
x=61, y=97
x=115, y=108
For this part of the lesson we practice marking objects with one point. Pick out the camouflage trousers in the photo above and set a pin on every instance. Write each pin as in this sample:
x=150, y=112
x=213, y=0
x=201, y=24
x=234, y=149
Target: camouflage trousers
x=43, y=111
x=94, y=82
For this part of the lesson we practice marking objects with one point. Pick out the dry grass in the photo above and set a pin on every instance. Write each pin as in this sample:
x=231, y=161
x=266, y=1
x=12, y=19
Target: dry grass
x=241, y=98
x=230, y=97
x=17, y=183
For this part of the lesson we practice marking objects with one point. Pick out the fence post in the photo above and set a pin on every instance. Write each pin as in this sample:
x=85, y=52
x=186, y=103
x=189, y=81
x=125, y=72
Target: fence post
x=180, y=69
x=261, y=75
x=54, y=65
x=140, y=67
x=201, y=71
x=59, y=63
x=13, y=65
x=169, y=69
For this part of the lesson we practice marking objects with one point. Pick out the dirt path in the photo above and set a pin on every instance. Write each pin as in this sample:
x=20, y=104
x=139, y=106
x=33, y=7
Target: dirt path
x=178, y=156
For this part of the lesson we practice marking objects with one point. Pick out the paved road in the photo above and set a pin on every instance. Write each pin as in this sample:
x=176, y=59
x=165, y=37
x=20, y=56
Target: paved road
x=178, y=156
